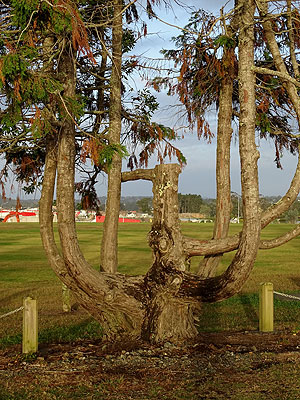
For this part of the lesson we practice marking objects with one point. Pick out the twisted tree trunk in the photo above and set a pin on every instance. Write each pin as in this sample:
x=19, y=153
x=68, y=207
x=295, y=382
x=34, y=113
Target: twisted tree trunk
x=168, y=316
x=162, y=305
x=109, y=246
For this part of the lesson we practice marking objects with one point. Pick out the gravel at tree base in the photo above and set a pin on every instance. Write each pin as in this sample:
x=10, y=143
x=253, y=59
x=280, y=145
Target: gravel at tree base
x=226, y=365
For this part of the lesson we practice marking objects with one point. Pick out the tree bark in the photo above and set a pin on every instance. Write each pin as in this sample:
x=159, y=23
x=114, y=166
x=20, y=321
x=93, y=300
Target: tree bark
x=100, y=82
x=292, y=38
x=232, y=280
x=208, y=266
x=109, y=245
x=114, y=300
x=168, y=317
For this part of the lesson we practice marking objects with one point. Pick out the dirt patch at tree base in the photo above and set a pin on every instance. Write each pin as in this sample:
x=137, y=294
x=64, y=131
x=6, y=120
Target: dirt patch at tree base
x=245, y=365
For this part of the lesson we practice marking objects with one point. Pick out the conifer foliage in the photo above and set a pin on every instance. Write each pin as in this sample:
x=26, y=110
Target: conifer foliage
x=34, y=35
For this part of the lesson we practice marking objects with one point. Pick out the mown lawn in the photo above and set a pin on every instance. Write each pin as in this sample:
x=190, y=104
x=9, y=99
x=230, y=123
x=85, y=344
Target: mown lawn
x=24, y=271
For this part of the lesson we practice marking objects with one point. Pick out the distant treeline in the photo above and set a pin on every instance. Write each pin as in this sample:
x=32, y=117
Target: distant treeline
x=188, y=203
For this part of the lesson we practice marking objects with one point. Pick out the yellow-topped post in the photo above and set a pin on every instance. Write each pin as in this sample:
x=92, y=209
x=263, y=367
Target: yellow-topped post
x=266, y=307
x=30, y=326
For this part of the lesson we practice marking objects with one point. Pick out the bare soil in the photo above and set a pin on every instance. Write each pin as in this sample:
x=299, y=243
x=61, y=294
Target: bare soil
x=227, y=365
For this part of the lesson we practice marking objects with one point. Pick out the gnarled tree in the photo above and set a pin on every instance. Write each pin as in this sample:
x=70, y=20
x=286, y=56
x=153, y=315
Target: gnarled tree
x=162, y=304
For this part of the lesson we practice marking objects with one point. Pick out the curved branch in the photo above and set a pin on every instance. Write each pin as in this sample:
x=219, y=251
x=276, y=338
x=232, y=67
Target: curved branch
x=146, y=174
x=292, y=38
x=231, y=281
x=286, y=201
x=113, y=299
x=270, y=244
x=284, y=76
x=45, y=212
x=195, y=247
x=203, y=289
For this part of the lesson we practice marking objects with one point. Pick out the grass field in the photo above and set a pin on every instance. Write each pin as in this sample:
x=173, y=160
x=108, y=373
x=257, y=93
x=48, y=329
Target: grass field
x=24, y=271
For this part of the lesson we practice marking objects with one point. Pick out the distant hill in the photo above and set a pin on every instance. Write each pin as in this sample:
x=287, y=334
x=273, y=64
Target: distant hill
x=128, y=203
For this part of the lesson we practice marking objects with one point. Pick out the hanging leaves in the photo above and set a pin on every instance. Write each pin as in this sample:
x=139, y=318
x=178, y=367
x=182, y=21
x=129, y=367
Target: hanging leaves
x=91, y=149
x=101, y=154
x=157, y=139
x=79, y=34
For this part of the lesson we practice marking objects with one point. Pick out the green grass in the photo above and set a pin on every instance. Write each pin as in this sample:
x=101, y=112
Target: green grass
x=86, y=329
x=25, y=271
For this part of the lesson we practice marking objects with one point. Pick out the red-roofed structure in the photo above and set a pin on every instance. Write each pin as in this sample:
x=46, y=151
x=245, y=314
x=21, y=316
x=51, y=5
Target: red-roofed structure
x=101, y=218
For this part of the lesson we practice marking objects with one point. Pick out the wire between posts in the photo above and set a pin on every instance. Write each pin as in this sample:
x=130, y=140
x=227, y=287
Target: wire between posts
x=12, y=312
x=287, y=295
x=278, y=293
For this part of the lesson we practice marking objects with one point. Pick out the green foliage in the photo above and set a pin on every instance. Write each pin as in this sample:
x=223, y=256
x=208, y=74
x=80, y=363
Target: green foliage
x=165, y=131
x=263, y=122
x=189, y=203
x=107, y=153
x=225, y=41
x=23, y=10
x=128, y=40
x=88, y=329
x=10, y=340
x=145, y=104
x=268, y=56
x=62, y=23
x=292, y=215
x=2, y=47
x=145, y=205
x=29, y=357
x=33, y=86
x=42, y=14
x=10, y=119
x=75, y=106
x=14, y=65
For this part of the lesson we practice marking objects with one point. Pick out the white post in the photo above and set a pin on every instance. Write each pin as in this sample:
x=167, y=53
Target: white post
x=30, y=326
x=266, y=307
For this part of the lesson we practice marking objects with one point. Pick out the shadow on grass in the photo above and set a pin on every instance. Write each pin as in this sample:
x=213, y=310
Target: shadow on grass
x=88, y=329
x=239, y=312
x=295, y=280
x=250, y=307
x=18, y=294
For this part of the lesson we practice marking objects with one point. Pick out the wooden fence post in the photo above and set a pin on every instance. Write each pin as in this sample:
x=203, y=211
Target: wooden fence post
x=30, y=326
x=66, y=298
x=266, y=307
